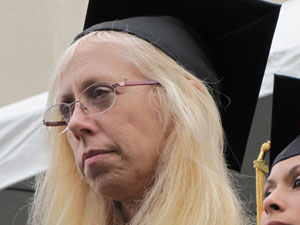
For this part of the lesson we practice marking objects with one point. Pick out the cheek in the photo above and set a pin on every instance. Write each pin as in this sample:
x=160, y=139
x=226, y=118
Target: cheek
x=74, y=147
x=295, y=203
x=140, y=137
x=70, y=140
x=144, y=135
x=263, y=218
x=137, y=123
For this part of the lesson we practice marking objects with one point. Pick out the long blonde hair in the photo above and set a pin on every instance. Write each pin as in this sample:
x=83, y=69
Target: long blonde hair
x=191, y=185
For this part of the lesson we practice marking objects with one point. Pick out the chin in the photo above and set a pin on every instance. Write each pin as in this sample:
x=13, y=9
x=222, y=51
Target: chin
x=107, y=187
x=116, y=191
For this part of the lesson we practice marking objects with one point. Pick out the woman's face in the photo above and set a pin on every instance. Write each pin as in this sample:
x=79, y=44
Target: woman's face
x=282, y=194
x=117, y=151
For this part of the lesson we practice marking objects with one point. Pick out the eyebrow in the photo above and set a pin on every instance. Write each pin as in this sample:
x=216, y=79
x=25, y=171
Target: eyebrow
x=87, y=83
x=293, y=170
x=66, y=98
x=69, y=97
x=270, y=181
x=289, y=175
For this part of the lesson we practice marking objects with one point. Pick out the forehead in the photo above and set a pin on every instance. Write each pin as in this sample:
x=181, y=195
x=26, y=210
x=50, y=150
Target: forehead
x=98, y=61
x=283, y=168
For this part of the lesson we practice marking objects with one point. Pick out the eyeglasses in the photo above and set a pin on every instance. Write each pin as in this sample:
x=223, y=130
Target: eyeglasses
x=95, y=99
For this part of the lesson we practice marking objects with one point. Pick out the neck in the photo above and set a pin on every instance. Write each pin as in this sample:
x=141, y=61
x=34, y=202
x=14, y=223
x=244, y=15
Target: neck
x=129, y=209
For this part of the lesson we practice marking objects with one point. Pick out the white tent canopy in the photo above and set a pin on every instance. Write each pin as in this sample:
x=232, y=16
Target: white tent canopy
x=21, y=123
x=21, y=140
x=285, y=50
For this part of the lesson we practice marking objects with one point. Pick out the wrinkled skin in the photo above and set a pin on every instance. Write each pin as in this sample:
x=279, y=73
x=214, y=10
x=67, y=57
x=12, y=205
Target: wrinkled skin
x=130, y=132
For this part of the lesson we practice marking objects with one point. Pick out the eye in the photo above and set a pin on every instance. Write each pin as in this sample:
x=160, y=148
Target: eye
x=64, y=110
x=267, y=193
x=268, y=189
x=100, y=92
x=296, y=183
x=97, y=92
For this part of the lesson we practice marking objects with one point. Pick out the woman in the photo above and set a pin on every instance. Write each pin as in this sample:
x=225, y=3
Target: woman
x=135, y=137
x=139, y=139
x=282, y=188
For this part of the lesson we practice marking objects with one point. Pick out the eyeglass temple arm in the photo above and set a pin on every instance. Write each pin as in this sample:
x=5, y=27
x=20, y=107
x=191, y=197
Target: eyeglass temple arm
x=135, y=83
x=54, y=124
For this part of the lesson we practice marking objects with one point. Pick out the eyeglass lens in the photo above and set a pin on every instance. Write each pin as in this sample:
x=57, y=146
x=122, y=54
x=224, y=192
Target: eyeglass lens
x=96, y=98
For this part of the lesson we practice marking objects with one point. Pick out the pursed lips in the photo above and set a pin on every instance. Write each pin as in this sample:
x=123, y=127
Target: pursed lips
x=92, y=153
x=276, y=223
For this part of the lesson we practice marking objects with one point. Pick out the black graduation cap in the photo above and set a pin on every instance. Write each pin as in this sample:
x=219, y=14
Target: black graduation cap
x=227, y=41
x=285, y=132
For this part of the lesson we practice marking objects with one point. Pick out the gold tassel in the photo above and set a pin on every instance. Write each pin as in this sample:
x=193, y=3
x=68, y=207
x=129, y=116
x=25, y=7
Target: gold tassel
x=261, y=169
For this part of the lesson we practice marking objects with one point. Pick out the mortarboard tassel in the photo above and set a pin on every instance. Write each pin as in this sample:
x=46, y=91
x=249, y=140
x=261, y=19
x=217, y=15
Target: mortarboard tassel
x=261, y=169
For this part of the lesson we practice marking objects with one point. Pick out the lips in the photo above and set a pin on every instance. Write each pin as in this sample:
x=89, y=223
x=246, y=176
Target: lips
x=88, y=156
x=276, y=223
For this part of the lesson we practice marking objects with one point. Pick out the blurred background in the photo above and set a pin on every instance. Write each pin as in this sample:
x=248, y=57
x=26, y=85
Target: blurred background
x=34, y=35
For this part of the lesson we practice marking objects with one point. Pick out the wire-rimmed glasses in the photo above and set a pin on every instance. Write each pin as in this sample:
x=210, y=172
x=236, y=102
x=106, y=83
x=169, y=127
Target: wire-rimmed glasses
x=95, y=99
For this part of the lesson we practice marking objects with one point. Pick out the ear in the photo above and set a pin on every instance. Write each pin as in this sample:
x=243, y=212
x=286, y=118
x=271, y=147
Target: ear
x=196, y=84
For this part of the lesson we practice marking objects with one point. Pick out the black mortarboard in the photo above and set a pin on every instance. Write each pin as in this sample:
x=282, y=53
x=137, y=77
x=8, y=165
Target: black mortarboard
x=219, y=40
x=285, y=132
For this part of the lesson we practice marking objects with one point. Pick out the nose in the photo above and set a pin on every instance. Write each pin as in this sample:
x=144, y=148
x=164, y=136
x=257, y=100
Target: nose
x=275, y=202
x=80, y=122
